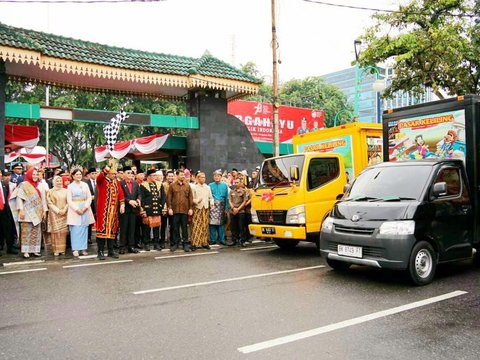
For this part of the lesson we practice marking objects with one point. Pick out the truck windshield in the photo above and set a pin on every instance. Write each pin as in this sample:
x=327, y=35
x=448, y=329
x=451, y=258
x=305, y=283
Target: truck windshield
x=276, y=172
x=387, y=183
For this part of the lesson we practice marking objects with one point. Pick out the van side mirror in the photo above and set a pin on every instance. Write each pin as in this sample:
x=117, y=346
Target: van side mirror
x=439, y=189
x=294, y=175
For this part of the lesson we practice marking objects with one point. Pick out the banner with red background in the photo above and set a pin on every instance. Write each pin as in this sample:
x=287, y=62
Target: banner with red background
x=258, y=118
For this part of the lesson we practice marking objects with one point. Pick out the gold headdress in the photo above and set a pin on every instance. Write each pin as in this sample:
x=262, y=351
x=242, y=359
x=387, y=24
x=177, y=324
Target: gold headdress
x=113, y=164
x=76, y=167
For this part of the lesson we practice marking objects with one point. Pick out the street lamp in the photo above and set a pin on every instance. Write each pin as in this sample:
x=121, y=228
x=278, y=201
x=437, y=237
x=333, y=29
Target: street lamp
x=378, y=85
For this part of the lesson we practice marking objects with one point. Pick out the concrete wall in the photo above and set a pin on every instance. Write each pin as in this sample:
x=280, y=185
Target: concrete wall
x=223, y=141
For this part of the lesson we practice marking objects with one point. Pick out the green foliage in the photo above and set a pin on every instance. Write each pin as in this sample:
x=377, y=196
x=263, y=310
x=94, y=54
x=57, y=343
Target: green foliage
x=432, y=43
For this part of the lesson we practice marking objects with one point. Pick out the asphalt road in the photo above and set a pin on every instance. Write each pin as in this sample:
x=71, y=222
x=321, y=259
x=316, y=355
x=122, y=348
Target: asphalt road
x=233, y=304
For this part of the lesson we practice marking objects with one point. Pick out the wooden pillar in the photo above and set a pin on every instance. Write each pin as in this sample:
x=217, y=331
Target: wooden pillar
x=3, y=88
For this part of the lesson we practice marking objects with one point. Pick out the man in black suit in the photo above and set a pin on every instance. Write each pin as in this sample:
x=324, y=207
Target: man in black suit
x=6, y=218
x=127, y=219
x=89, y=179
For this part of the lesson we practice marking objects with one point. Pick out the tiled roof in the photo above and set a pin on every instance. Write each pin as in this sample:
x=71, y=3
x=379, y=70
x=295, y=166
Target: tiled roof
x=94, y=53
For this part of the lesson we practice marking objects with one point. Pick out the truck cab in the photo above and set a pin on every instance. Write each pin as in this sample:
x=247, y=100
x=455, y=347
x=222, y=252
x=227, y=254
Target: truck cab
x=295, y=194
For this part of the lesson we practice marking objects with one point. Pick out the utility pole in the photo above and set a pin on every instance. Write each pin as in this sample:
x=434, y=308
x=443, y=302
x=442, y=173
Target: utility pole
x=276, y=103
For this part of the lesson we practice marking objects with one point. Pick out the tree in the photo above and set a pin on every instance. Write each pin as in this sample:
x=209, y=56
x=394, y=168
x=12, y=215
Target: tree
x=432, y=43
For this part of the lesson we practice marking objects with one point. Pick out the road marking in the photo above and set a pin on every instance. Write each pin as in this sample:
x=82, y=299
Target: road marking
x=260, y=248
x=21, y=271
x=226, y=280
x=84, y=257
x=343, y=324
x=24, y=262
x=97, y=263
x=186, y=255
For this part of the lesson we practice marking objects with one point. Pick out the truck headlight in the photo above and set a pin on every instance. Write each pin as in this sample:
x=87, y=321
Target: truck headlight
x=327, y=224
x=254, y=216
x=397, y=227
x=296, y=215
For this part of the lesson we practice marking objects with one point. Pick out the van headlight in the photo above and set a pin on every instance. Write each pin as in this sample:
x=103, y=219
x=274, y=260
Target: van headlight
x=296, y=215
x=397, y=227
x=327, y=224
x=254, y=216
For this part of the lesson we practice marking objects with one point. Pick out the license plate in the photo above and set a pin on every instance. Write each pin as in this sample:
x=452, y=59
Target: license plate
x=352, y=251
x=268, y=230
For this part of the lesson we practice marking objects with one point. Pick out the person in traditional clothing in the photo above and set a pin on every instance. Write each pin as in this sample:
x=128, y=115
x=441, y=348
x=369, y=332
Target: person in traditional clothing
x=110, y=200
x=203, y=201
x=217, y=214
x=79, y=215
x=32, y=209
x=152, y=198
x=90, y=181
x=57, y=216
x=180, y=206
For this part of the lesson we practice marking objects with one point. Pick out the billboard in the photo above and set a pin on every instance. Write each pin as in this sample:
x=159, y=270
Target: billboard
x=439, y=135
x=258, y=118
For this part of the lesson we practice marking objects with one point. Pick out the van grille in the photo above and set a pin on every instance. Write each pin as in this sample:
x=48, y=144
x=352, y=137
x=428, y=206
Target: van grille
x=276, y=217
x=354, y=230
x=371, y=251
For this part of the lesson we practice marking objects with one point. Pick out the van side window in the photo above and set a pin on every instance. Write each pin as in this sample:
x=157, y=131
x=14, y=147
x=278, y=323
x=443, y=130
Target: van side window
x=452, y=177
x=322, y=171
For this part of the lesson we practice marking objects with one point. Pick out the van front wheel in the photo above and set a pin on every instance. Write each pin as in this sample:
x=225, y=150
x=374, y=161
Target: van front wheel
x=286, y=244
x=422, y=264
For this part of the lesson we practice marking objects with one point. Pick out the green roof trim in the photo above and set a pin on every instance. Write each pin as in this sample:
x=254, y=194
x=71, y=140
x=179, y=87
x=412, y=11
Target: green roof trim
x=22, y=111
x=170, y=121
x=175, y=143
x=267, y=148
x=90, y=52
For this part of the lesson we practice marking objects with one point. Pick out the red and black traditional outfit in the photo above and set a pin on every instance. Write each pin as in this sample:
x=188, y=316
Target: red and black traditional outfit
x=109, y=197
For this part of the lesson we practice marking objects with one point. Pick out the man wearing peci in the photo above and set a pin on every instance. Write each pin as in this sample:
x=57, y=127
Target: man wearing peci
x=131, y=192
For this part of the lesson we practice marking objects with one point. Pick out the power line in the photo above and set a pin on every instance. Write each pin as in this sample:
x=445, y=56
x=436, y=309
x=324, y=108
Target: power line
x=384, y=10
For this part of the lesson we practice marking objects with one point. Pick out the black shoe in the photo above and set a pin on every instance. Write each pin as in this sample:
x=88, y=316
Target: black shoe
x=132, y=250
x=139, y=246
x=121, y=251
x=156, y=247
x=113, y=255
x=146, y=247
x=193, y=248
x=187, y=249
x=173, y=248
x=12, y=251
x=101, y=255
x=206, y=247
x=162, y=247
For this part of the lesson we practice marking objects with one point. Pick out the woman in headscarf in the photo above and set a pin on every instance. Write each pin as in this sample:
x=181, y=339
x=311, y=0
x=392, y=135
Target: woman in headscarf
x=32, y=207
x=65, y=181
x=57, y=216
x=79, y=215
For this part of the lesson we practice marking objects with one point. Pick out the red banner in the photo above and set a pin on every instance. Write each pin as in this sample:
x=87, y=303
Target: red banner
x=258, y=118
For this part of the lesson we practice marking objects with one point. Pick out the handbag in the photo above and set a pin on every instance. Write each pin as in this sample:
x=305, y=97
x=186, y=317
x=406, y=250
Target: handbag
x=152, y=221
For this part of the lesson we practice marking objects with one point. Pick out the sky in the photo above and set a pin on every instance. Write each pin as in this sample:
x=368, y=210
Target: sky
x=313, y=39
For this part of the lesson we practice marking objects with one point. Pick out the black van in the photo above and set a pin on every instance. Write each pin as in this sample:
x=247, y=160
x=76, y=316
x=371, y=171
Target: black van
x=419, y=208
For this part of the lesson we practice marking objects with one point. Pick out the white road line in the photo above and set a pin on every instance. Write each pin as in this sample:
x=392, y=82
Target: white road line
x=24, y=262
x=97, y=263
x=21, y=271
x=226, y=280
x=260, y=248
x=185, y=255
x=343, y=324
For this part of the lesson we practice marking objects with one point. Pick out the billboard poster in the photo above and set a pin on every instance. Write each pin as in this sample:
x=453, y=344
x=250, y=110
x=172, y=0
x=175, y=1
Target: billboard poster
x=338, y=145
x=258, y=118
x=439, y=136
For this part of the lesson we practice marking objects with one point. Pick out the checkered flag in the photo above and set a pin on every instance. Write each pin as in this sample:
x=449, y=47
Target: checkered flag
x=111, y=130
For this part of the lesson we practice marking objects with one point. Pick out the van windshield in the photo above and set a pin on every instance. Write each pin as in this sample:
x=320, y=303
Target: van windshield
x=276, y=172
x=383, y=183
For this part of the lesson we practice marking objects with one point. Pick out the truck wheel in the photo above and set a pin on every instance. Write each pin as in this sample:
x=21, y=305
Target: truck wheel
x=286, y=244
x=422, y=263
x=317, y=246
x=338, y=265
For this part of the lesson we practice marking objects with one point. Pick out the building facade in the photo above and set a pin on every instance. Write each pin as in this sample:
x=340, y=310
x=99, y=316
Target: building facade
x=370, y=103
